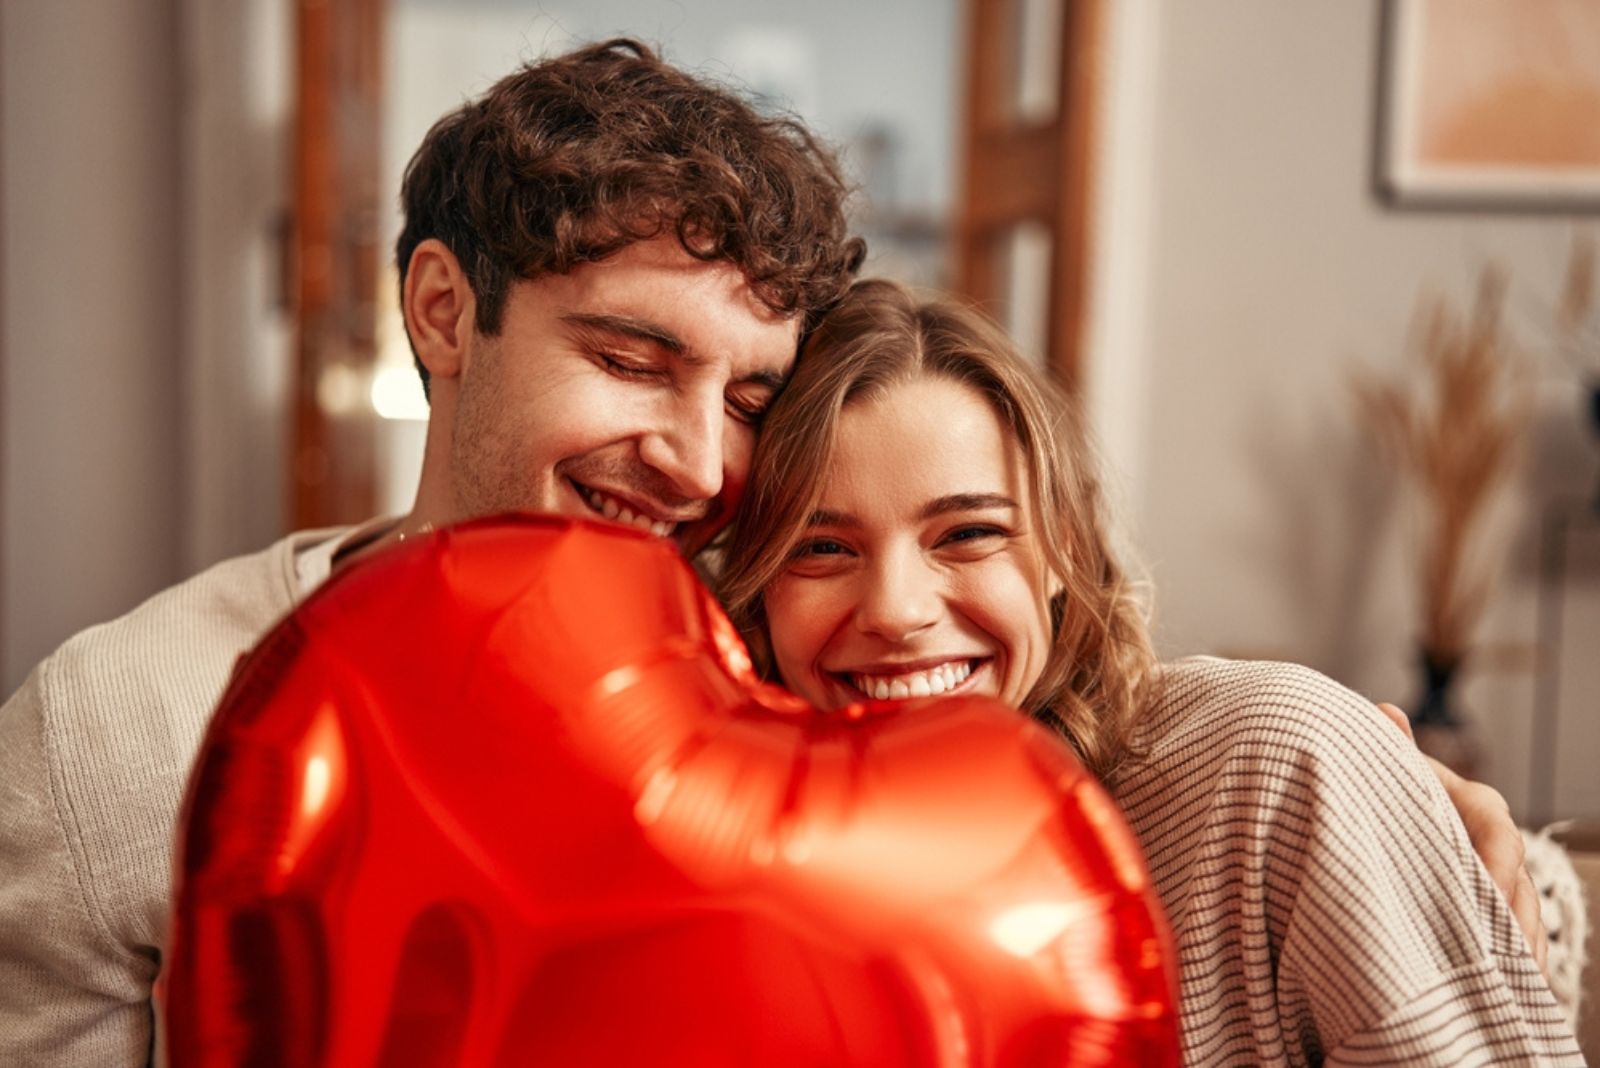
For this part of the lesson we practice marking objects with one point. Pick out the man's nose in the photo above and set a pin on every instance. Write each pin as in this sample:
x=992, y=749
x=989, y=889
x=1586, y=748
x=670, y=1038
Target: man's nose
x=901, y=597
x=686, y=445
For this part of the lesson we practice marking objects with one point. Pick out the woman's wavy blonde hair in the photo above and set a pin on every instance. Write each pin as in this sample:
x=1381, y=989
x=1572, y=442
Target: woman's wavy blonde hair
x=1101, y=666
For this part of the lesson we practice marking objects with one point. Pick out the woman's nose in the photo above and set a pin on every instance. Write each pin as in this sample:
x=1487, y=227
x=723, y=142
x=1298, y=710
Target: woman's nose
x=901, y=597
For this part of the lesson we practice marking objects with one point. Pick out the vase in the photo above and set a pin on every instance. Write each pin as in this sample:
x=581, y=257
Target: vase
x=1436, y=723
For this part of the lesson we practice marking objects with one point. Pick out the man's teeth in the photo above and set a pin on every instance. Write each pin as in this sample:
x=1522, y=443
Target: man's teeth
x=613, y=509
x=914, y=684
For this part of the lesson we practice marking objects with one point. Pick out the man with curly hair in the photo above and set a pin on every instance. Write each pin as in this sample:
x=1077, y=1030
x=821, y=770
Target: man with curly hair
x=606, y=266
x=605, y=269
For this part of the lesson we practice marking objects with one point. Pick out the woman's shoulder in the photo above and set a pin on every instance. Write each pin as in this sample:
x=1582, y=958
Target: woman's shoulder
x=1264, y=708
x=1217, y=679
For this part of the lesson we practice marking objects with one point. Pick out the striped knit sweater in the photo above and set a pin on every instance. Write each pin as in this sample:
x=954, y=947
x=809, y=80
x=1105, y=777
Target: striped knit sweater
x=1326, y=901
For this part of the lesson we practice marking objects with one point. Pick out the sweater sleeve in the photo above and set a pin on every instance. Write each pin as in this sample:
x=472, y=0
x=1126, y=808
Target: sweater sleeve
x=1472, y=1015
x=70, y=992
x=1326, y=901
x=1404, y=950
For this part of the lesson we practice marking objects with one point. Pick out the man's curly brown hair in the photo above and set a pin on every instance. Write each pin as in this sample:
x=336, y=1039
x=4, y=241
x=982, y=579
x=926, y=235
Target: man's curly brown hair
x=567, y=161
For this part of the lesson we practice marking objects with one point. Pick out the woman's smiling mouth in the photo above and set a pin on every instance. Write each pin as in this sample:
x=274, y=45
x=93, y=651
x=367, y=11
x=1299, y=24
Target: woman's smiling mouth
x=929, y=681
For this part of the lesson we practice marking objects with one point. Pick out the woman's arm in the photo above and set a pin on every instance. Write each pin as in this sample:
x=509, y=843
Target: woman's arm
x=1403, y=946
x=1325, y=897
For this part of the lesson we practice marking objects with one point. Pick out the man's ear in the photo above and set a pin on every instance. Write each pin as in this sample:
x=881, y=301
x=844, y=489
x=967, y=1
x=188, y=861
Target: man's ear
x=439, y=307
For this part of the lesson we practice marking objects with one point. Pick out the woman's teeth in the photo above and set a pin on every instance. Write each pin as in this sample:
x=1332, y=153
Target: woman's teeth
x=615, y=510
x=928, y=683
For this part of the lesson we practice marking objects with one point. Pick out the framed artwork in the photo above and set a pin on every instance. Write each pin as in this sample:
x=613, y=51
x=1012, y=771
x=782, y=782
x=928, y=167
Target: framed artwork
x=1490, y=104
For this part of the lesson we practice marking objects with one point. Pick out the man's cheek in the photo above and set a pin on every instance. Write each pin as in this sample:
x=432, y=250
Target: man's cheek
x=735, y=477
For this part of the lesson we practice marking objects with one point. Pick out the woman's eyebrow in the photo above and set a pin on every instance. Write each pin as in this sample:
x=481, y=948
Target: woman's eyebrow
x=954, y=502
x=824, y=518
x=966, y=502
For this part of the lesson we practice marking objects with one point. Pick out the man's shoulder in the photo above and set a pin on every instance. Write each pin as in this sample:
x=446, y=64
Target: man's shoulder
x=235, y=599
x=158, y=669
x=108, y=725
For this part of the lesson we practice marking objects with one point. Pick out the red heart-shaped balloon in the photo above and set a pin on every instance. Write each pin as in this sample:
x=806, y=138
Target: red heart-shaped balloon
x=513, y=795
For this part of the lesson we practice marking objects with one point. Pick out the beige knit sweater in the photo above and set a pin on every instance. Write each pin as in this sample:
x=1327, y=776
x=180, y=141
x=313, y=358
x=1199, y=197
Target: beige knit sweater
x=1326, y=901
x=95, y=749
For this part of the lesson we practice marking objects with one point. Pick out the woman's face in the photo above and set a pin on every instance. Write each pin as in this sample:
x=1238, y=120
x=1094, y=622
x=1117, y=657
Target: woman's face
x=920, y=573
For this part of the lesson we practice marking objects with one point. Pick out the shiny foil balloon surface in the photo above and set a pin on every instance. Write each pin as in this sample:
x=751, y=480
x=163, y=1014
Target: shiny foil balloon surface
x=512, y=795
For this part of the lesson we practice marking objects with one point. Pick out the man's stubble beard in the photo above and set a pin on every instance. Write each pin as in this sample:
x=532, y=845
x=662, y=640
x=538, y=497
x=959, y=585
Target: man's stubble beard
x=487, y=475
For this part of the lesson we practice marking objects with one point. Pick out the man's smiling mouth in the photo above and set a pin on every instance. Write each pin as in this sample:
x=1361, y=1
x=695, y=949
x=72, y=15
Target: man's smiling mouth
x=620, y=511
x=927, y=682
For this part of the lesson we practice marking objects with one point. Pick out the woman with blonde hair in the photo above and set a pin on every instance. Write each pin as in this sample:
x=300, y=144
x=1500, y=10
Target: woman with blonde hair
x=923, y=518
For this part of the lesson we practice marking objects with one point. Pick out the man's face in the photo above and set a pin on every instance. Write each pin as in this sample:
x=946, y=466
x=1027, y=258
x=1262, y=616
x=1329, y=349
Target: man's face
x=628, y=389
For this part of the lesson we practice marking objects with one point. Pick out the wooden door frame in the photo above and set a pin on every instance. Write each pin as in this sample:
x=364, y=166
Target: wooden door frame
x=1016, y=171
x=334, y=255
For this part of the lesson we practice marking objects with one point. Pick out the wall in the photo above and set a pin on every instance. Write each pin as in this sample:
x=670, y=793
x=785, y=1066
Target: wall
x=1246, y=271
x=143, y=358
x=91, y=186
x=237, y=114
x=844, y=67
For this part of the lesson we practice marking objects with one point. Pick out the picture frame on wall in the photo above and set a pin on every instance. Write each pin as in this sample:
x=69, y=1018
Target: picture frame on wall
x=1488, y=105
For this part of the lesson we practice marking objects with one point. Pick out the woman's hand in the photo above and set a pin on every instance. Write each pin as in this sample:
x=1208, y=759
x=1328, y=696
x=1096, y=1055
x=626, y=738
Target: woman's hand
x=1496, y=839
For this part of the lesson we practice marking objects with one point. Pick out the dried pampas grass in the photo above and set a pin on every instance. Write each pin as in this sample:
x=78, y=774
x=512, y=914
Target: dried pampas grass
x=1455, y=435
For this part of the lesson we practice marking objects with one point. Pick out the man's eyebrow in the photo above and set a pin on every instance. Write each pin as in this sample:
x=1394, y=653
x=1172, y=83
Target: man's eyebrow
x=966, y=502
x=627, y=326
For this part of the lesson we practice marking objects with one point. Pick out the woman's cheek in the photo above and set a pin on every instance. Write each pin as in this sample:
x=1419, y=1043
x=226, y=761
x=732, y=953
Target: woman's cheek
x=1006, y=600
x=788, y=624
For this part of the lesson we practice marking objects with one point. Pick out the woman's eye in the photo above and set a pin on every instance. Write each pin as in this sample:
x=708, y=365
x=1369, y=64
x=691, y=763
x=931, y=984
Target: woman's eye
x=819, y=558
x=972, y=534
x=818, y=547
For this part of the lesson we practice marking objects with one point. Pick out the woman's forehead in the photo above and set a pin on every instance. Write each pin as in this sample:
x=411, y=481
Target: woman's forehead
x=925, y=436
